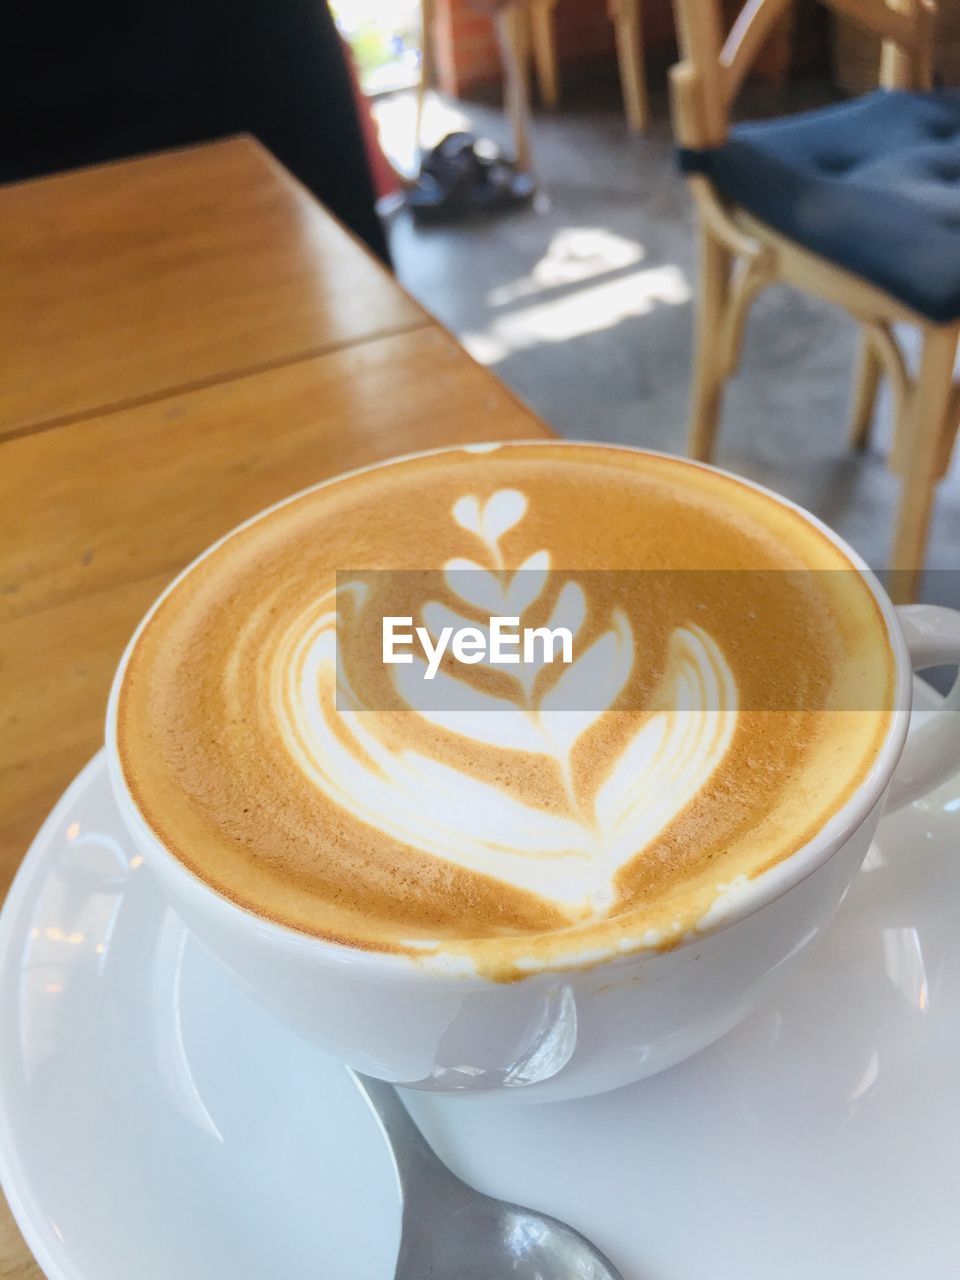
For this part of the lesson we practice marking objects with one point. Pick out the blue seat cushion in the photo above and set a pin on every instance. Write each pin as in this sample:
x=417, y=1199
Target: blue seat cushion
x=872, y=184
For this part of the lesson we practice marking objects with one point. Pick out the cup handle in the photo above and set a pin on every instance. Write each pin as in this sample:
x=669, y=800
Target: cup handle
x=932, y=752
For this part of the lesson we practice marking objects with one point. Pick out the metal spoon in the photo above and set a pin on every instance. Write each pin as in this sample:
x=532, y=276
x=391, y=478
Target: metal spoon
x=451, y=1232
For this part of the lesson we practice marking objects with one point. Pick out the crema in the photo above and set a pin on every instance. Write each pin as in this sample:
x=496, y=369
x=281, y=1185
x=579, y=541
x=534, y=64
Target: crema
x=727, y=686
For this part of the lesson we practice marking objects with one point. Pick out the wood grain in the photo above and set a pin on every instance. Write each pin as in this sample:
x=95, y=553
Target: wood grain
x=16, y=1261
x=146, y=489
x=186, y=340
x=123, y=282
x=97, y=516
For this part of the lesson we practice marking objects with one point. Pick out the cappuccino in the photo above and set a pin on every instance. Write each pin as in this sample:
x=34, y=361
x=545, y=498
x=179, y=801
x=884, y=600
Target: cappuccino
x=700, y=726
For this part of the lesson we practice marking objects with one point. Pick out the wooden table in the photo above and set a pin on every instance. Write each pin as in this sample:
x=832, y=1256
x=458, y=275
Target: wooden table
x=186, y=339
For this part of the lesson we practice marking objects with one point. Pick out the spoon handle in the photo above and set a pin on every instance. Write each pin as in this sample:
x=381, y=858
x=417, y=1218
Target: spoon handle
x=413, y=1158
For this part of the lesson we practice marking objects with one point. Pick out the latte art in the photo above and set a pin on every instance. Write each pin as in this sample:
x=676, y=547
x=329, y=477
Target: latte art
x=572, y=857
x=506, y=811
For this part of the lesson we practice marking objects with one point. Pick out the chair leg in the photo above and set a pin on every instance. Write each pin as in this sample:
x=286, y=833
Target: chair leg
x=866, y=379
x=628, y=27
x=511, y=22
x=426, y=66
x=709, y=373
x=926, y=419
x=545, y=51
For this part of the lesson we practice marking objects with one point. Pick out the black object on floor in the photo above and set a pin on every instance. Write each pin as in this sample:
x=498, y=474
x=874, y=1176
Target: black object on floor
x=462, y=176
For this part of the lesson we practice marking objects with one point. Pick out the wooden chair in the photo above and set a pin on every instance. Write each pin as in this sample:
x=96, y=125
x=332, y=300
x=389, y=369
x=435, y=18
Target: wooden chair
x=628, y=27
x=512, y=22
x=513, y=36
x=525, y=28
x=428, y=19
x=827, y=236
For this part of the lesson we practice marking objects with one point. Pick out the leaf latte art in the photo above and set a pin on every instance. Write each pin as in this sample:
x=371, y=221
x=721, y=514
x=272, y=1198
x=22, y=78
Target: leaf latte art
x=729, y=684
x=571, y=856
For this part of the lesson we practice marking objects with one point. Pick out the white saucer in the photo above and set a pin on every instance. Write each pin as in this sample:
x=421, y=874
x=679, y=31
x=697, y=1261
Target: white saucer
x=155, y=1123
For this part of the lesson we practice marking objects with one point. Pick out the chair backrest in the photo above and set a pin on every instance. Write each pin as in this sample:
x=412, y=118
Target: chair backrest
x=714, y=67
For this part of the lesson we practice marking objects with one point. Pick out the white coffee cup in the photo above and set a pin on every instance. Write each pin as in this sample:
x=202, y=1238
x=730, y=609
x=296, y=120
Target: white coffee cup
x=592, y=1024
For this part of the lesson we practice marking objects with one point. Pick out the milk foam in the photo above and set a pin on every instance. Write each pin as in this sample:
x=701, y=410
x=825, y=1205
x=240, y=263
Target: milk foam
x=571, y=859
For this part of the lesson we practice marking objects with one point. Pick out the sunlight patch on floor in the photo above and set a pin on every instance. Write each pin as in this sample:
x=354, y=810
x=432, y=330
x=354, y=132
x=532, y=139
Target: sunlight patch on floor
x=396, y=118
x=590, y=310
x=574, y=254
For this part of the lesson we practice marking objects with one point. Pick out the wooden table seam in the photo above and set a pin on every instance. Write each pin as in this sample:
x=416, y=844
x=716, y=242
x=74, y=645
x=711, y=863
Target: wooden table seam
x=203, y=384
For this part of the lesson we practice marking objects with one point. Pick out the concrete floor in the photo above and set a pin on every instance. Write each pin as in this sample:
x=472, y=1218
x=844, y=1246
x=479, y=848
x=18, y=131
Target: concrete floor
x=582, y=304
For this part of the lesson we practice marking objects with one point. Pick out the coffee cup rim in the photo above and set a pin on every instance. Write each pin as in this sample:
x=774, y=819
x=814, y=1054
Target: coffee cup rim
x=437, y=966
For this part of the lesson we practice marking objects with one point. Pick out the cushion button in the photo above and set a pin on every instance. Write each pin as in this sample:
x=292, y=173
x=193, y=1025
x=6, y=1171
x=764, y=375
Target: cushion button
x=836, y=164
